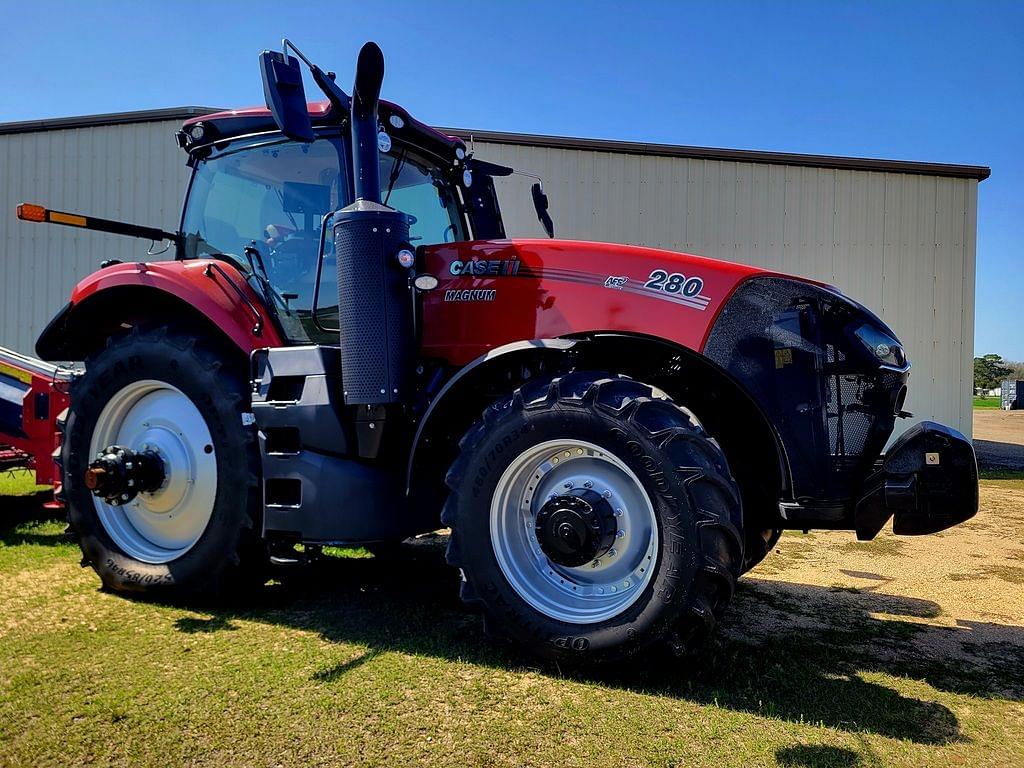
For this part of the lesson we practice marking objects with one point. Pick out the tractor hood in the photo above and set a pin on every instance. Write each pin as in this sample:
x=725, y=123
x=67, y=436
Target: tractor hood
x=538, y=288
x=530, y=289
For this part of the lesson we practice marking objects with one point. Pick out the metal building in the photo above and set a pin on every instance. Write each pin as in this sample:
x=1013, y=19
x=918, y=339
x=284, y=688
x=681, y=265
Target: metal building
x=898, y=236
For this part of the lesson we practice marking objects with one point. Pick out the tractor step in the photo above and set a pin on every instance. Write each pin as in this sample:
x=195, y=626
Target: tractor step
x=315, y=487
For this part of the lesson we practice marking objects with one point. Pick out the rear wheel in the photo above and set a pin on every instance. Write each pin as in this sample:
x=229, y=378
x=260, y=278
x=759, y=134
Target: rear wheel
x=593, y=518
x=159, y=470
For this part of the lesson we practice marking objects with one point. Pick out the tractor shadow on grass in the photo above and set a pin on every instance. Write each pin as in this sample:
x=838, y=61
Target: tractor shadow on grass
x=789, y=651
x=15, y=511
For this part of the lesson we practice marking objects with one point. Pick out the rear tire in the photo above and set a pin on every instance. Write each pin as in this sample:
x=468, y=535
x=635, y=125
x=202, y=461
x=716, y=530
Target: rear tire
x=675, y=504
x=193, y=540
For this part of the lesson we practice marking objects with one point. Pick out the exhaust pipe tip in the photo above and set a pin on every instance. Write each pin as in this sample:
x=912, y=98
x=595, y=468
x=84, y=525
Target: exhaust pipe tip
x=365, y=95
x=369, y=76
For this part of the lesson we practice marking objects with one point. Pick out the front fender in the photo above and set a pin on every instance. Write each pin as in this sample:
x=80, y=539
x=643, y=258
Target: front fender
x=213, y=291
x=465, y=379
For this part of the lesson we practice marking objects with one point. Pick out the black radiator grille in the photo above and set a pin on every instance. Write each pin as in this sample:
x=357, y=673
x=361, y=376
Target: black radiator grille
x=856, y=403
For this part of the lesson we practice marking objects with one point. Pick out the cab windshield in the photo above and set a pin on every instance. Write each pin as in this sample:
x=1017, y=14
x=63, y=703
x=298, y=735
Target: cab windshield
x=262, y=207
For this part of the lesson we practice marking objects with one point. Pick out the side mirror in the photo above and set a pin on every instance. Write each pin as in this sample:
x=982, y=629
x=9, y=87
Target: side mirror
x=540, y=204
x=286, y=99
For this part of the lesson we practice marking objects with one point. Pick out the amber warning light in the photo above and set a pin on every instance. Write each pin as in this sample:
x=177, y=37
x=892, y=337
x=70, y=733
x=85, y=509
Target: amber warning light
x=41, y=215
x=30, y=212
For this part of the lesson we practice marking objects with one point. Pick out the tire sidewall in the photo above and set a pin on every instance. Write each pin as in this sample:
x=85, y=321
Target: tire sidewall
x=653, y=613
x=124, y=362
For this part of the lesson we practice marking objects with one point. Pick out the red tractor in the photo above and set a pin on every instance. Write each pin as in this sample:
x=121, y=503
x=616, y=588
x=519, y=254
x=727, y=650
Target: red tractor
x=613, y=434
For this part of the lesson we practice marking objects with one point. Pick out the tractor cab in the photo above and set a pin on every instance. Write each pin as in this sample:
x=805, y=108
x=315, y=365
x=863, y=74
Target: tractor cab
x=265, y=202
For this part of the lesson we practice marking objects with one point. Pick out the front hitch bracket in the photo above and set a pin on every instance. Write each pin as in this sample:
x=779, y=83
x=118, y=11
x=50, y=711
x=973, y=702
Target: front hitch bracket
x=928, y=482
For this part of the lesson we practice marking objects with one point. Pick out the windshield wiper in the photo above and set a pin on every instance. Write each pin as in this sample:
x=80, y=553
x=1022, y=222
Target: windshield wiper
x=396, y=169
x=249, y=251
x=270, y=294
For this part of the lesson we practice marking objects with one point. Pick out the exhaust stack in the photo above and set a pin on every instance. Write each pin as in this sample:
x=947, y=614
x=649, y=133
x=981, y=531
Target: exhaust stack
x=374, y=302
x=365, y=95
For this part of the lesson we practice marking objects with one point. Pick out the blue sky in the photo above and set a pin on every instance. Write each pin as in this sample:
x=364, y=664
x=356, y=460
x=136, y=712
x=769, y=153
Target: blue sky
x=937, y=81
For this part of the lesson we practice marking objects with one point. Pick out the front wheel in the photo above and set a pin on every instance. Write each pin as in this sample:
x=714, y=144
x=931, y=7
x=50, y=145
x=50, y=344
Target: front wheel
x=159, y=472
x=592, y=518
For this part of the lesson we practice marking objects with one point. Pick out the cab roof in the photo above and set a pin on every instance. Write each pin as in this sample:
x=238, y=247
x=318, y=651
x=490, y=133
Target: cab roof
x=233, y=123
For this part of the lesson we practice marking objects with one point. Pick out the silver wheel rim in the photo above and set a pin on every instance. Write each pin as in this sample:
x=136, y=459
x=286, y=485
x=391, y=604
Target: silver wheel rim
x=590, y=593
x=163, y=525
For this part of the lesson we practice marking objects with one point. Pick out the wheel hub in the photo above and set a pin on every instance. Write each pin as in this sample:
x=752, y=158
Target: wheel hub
x=166, y=512
x=567, y=485
x=576, y=528
x=119, y=474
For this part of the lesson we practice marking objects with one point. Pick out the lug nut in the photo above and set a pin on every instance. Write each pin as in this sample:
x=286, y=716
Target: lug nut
x=620, y=533
x=611, y=553
x=568, y=484
x=607, y=494
x=618, y=513
x=588, y=484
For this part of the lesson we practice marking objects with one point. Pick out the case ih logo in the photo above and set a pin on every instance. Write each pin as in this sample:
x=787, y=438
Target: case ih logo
x=484, y=267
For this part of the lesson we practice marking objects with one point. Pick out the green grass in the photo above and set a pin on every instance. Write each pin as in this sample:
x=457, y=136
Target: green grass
x=374, y=662
x=1013, y=475
x=19, y=483
x=887, y=546
x=986, y=402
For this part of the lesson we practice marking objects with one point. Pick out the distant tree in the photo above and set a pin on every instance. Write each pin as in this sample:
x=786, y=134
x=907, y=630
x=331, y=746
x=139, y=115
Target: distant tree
x=1016, y=370
x=989, y=371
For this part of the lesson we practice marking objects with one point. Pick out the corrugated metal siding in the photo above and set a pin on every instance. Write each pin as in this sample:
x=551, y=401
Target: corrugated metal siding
x=902, y=244
x=133, y=172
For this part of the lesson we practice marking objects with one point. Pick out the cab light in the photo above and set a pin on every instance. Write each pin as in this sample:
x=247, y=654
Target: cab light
x=425, y=282
x=406, y=258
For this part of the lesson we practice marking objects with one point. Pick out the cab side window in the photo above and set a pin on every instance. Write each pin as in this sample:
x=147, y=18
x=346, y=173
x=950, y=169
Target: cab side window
x=416, y=189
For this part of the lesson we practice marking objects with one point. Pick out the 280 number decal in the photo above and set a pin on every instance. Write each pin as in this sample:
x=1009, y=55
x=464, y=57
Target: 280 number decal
x=660, y=280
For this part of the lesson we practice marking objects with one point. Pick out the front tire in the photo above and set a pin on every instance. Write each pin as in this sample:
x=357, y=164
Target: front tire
x=183, y=399
x=593, y=518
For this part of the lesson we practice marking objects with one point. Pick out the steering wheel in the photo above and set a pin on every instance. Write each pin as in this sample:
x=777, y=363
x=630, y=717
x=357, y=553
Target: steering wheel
x=296, y=252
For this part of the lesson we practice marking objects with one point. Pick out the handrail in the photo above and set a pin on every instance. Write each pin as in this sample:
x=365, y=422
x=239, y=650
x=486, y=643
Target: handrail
x=319, y=272
x=257, y=328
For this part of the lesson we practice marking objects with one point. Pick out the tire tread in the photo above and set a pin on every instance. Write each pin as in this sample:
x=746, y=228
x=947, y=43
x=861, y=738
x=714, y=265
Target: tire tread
x=675, y=431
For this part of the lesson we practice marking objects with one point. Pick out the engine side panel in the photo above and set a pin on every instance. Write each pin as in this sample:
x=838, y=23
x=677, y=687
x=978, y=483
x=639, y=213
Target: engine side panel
x=492, y=293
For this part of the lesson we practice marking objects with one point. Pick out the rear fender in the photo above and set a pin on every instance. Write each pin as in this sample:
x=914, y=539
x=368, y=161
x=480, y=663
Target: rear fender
x=213, y=294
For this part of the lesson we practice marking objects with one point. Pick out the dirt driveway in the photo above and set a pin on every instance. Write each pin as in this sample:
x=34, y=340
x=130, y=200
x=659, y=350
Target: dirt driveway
x=999, y=438
x=960, y=590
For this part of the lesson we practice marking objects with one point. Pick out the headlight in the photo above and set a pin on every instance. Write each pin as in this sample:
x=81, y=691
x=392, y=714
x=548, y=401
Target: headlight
x=885, y=349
